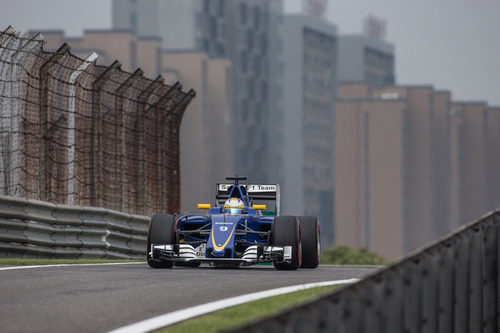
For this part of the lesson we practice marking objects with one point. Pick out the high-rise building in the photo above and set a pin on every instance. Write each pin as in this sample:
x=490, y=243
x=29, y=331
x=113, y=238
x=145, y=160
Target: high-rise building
x=125, y=46
x=472, y=160
x=441, y=222
x=243, y=31
x=302, y=130
x=412, y=163
x=206, y=155
x=364, y=58
x=417, y=158
x=493, y=157
x=369, y=174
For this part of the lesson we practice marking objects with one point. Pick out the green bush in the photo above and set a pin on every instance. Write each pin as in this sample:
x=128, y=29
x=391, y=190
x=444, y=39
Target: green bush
x=345, y=255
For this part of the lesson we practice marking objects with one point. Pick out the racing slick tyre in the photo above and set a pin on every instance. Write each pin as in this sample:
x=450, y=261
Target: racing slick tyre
x=285, y=231
x=310, y=237
x=161, y=231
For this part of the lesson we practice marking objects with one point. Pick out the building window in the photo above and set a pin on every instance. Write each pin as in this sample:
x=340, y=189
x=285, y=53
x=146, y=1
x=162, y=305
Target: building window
x=256, y=17
x=213, y=27
x=220, y=51
x=221, y=8
x=243, y=13
x=133, y=21
x=244, y=61
x=249, y=38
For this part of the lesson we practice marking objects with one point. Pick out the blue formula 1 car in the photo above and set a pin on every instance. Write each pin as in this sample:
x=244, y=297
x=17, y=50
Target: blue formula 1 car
x=235, y=232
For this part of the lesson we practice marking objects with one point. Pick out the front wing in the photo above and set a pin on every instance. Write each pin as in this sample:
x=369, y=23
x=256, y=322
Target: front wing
x=254, y=254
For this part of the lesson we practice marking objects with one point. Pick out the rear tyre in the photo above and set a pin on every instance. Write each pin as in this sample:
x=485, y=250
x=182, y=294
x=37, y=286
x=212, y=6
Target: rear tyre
x=310, y=236
x=285, y=231
x=161, y=231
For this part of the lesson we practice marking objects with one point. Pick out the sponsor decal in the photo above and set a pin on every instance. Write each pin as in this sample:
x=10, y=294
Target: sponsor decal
x=261, y=188
x=225, y=187
x=223, y=228
x=253, y=188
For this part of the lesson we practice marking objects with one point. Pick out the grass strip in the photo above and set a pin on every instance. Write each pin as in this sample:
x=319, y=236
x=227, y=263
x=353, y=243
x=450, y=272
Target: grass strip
x=27, y=261
x=246, y=313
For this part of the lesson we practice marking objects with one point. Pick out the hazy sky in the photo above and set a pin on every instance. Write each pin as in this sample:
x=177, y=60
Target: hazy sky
x=450, y=44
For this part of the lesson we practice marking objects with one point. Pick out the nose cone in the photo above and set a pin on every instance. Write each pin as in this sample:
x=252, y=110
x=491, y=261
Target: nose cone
x=223, y=231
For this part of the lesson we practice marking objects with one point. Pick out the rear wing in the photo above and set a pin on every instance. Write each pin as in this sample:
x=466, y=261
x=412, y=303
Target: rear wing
x=256, y=192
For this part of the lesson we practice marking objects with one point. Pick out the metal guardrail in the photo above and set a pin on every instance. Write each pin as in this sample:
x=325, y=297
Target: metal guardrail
x=32, y=228
x=453, y=285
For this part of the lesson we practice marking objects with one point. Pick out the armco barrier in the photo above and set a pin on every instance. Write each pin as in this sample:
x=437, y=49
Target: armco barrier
x=452, y=285
x=32, y=228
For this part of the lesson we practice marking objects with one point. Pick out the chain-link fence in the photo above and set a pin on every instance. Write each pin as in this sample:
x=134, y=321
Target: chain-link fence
x=77, y=133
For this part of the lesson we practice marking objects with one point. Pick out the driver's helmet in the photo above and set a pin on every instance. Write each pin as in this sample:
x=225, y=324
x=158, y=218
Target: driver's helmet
x=234, y=206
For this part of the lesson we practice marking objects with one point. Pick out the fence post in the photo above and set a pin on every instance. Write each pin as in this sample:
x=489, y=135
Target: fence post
x=139, y=141
x=476, y=290
x=6, y=107
x=351, y=307
x=120, y=134
x=446, y=285
x=44, y=113
x=373, y=301
x=489, y=255
x=392, y=321
x=15, y=142
x=430, y=292
x=173, y=167
x=161, y=172
x=328, y=316
x=71, y=125
x=412, y=295
x=96, y=132
x=461, y=315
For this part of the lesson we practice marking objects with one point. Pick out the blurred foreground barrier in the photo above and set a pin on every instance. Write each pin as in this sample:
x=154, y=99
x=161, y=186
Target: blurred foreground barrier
x=450, y=286
x=32, y=228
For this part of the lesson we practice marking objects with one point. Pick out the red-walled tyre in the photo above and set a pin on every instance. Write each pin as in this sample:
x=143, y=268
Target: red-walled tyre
x=285, y=231
x=310, y=236
x=161, y=231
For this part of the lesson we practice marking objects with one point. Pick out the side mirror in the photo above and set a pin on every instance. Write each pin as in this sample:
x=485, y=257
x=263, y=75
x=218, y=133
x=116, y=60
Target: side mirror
x=204, y=206
x=259, y=207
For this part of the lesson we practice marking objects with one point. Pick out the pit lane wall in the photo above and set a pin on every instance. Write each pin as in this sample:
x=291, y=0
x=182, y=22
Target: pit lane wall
x=451, y=285
x=37, y=229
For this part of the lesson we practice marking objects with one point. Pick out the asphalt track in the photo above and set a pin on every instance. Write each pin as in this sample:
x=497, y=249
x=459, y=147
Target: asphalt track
x=104, y=297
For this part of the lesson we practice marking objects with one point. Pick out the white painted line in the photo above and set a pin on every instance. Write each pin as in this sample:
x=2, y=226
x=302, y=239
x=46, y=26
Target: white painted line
x=67, y=265
x=195, y=311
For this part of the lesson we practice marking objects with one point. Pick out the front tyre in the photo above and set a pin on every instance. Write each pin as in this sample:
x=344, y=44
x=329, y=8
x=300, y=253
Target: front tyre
x=161, y=231
x=310, y=233
x=285, y=231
